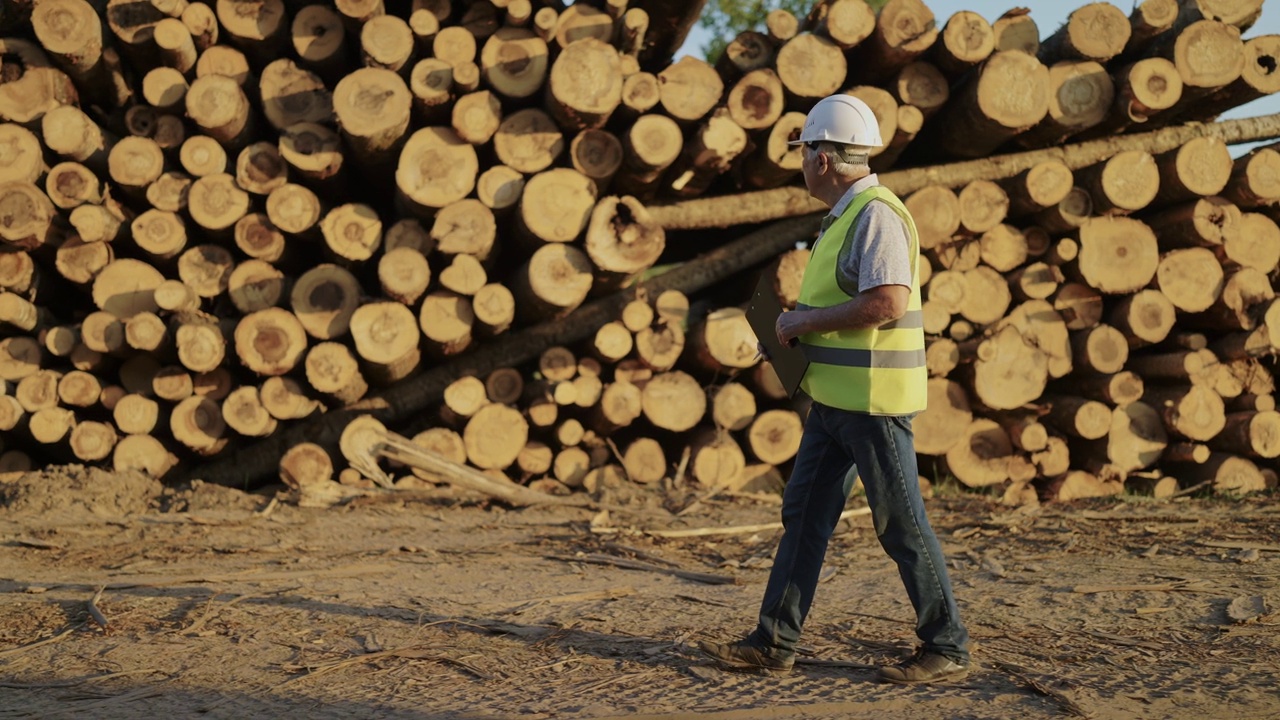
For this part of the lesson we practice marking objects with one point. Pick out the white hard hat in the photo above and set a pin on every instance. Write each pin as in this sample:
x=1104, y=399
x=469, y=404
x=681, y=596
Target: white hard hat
x=841, y=119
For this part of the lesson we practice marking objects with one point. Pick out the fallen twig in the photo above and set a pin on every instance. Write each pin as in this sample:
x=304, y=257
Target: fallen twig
x=413, y=652
x=94, y=612
x=194, y=627
x=606, y=594
x=247, y=576
x=1240, y=546
x=739, y=529
x=1019, y=674
x=73, y=683
x=1192, y=490
x=1167, y=587
x=41, y=643
x=598, y=559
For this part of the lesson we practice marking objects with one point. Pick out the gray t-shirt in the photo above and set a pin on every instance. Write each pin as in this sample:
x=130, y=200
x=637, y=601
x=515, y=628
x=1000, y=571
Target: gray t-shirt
x=877, y=249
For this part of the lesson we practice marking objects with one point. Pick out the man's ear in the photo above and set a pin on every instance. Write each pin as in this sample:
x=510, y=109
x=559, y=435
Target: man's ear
x=824, y=162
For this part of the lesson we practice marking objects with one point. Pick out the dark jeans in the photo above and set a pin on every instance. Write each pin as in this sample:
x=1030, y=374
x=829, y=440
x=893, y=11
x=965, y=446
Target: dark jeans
x=881, y=450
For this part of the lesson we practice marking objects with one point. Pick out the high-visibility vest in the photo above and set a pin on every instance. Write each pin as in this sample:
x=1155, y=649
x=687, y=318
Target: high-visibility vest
x=882, y=370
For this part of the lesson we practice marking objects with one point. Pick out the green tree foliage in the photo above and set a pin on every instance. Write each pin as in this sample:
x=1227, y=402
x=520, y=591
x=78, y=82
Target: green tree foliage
x=724, y=19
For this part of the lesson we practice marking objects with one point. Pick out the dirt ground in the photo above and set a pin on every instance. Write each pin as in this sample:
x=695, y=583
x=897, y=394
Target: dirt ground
x=222, y=604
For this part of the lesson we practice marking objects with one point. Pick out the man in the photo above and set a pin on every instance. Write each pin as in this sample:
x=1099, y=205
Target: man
x=858, y=322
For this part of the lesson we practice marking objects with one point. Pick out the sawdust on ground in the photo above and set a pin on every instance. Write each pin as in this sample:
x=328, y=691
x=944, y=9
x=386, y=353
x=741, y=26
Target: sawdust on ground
x=222, y=604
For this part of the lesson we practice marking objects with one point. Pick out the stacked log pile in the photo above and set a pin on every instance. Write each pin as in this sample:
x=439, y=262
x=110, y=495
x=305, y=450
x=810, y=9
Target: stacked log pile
x=230, y=227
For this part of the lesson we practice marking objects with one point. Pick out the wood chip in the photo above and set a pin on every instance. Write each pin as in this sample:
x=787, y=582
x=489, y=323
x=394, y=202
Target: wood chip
x=1247, y=608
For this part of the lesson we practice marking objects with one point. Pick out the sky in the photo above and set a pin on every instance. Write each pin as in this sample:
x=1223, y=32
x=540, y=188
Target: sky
x=1049, y=15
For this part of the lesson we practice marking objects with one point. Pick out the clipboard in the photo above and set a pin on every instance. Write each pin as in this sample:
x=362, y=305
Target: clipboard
x=789, y=363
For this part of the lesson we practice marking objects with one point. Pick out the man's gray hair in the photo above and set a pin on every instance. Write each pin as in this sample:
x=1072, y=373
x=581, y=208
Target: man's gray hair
x=847, y=159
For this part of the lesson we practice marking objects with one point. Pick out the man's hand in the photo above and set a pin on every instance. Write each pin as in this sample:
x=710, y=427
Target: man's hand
x=790, y=326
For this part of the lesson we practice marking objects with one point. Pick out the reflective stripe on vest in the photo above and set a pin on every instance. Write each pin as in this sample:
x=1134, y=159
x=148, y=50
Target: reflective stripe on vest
x=876, y=370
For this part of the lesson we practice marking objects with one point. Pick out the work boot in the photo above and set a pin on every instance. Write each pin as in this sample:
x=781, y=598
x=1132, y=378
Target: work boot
x=924, y=667
x=743, y=656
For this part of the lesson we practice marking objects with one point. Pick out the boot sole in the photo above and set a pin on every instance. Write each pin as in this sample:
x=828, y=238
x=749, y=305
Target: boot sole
x=941, y=678
x=748, y=667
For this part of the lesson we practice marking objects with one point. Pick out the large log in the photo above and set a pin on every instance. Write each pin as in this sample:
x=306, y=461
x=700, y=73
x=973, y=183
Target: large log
x=762, y=206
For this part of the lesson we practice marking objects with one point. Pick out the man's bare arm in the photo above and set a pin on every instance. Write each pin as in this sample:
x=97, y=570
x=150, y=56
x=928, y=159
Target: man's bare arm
x=869, y=309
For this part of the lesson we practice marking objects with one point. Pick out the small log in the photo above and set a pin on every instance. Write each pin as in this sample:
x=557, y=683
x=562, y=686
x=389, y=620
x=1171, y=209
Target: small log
x=528, y=141
x=270, y=342
x=142, y=453
x=922, y=85
x=983, y=205
x=1206, y=222
x=436, y=168
x=216, y=204
x=941, y=426
x=218, y=106
x=1097, y=31
x=585, y=85
x=1191, y=279
x=1143, y=90
x=1255, y=179
x=1080, y=95
x=431, y=83
x=1148, y=19
x=1208, y=54
x=1256, y=246
x=293, y=95
x=334, y=372
x=226, y=61
x=514, y=62
x=774, y=436
x=810, y=67
x=201, y=155
x=197, y=424
x=256, y=285
x=747, y=52
x=1117, y=255
x=136, y=414
x=1016, y=30
x=1127, y=182
x=259, y=29
x=387, y=42
x=1194, y=412
x=386, y=336
x=1227, y=474
x=319, y=40
x=650, y=146
x=494, y=307
x=756, y=101
x=404, y=275
x=966, y=40
x=673, y=401
x=202, y=23
x=1042, y=186
x=200, y=342
x=494, y=437
x=1201, y=167
x=352, y=232
x=556, y=205
x=285, y=399
x=306, y=466
x=982, y=116
x=553, y=282
x=980, y=457
x=905, y=30
x=1144, y=318
x=373, y=107
x=446, y=320
x=1251, y=434
x=1077, y=416
x=243, y=412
